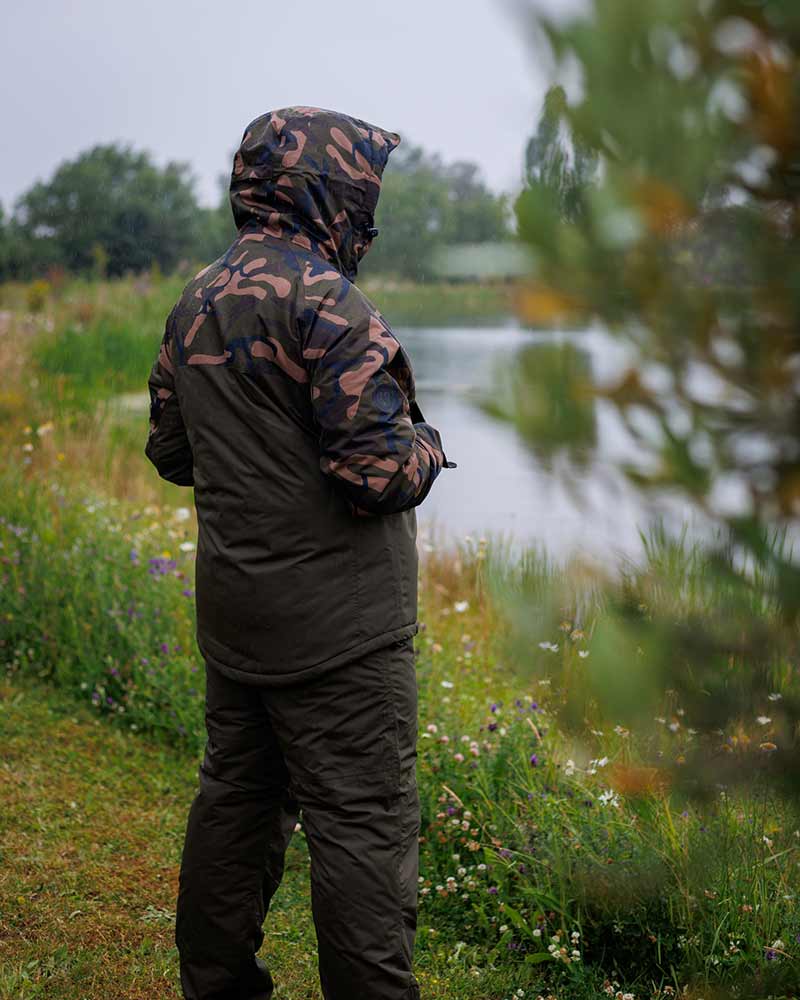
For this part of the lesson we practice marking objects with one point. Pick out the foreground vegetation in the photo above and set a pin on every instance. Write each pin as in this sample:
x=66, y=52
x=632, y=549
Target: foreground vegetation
x=553, y=860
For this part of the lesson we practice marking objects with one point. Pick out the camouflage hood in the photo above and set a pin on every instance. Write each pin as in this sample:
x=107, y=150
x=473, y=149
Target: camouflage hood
x=313, y=177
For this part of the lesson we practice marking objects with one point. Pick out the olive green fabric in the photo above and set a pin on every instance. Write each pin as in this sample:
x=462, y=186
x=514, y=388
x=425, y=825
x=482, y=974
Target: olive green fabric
x=338, y=753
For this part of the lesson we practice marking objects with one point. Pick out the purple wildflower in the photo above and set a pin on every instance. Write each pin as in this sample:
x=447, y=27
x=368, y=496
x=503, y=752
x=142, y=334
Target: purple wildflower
x=534, y=760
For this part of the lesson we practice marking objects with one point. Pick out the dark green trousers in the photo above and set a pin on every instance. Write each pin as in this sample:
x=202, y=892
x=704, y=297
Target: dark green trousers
x=339, y=753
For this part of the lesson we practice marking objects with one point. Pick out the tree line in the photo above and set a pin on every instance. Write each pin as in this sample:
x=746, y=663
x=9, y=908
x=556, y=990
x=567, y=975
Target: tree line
x=111, y=210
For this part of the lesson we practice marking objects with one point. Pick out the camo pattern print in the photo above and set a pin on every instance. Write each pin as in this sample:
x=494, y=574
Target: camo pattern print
x=280, y=303
x=313, y=177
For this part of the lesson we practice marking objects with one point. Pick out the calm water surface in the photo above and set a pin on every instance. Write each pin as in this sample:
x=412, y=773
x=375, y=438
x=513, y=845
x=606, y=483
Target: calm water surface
x=499, y=487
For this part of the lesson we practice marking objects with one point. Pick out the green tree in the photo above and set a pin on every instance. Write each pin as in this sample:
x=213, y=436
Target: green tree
x=215, y=229
x=426, y=204
x=114, y=198
x=559, y=161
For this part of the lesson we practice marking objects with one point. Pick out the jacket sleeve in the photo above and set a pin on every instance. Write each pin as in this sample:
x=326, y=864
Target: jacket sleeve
x=362, y=394
x=167, y=445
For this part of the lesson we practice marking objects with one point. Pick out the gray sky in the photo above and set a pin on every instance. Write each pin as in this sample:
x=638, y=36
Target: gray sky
x=181, y=78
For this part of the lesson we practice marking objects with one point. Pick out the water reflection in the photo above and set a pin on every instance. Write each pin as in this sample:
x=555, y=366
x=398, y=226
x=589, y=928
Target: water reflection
x=499, y=488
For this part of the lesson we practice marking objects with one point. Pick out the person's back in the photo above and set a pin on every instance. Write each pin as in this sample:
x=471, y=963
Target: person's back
x=282, y=396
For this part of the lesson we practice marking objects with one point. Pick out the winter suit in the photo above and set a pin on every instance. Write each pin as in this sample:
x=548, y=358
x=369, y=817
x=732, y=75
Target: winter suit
x=282, y=396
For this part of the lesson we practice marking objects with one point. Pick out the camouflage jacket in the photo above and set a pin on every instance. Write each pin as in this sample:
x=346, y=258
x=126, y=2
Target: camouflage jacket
x=281, y=394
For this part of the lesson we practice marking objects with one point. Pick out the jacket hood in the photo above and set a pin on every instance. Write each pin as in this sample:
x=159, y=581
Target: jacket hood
x=313, y=177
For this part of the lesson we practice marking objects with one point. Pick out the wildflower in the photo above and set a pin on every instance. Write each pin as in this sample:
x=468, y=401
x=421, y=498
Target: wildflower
x=432, y=727
x=583, y=653
x=776, y=696
x=493, y=890
x=458, y=758
x=447, y=684
x=534, y=760
x=461, y=606
x=552, y=646
x=569, y=768
x=473, y=845
x=187, y=546
x=45, y=428
x=182, y=514
x=27, y=446
x=763, y=720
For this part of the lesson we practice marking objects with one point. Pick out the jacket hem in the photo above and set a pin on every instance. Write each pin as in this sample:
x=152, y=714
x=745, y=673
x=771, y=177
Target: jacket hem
x=214, y=653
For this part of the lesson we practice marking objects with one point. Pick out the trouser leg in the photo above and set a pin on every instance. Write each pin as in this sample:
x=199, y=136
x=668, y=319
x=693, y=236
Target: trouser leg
x=349, y=741
x=239, y=826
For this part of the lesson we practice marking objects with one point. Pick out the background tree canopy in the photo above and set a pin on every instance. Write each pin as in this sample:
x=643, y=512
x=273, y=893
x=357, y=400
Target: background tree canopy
x=112, y=210
x=109, y=210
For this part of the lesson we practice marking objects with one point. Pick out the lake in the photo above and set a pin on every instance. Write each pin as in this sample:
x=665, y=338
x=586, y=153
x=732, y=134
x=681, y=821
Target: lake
x=499, y=488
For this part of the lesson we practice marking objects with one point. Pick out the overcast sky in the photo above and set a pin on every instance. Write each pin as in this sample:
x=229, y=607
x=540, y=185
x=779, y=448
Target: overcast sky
x=181, y=78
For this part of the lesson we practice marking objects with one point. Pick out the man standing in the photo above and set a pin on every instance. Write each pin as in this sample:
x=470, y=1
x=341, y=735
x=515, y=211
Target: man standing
x=282, y=396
